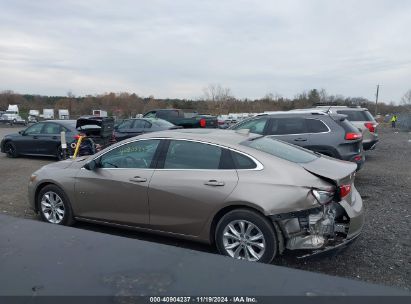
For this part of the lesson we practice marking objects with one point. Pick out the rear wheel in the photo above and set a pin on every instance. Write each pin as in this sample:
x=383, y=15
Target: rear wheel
x=10, y=149
x=60, y=153
x=54, y=206
x=246, y=235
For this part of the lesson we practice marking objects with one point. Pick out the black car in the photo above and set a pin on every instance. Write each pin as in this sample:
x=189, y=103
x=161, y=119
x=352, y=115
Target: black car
x=137, y=126
x=331, y=135
x=42, y=138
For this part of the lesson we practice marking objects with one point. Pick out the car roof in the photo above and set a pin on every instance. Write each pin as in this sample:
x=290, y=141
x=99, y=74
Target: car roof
x=217, y=136
x=345, y=108
x=292, y=113
x=64, y=122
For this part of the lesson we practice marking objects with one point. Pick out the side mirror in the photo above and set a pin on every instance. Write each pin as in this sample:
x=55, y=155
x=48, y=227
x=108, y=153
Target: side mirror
x=92, y=165
x=22, y=132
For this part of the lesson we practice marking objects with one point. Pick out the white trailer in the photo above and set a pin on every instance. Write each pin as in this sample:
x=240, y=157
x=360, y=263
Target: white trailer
x=64, y=114
x=48, y=114
x=100, y=113
x=34, y=115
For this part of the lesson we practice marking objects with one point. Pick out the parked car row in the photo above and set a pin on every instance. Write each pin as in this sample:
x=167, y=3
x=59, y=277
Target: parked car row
x=273, y=183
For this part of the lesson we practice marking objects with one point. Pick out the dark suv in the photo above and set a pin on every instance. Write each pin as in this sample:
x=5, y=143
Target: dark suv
x=331, y=135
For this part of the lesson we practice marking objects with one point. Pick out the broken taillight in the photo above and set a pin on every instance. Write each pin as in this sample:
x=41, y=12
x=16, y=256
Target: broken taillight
x=344, y=190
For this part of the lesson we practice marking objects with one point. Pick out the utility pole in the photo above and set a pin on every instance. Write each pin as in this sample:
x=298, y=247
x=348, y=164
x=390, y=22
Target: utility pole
x=376, y=100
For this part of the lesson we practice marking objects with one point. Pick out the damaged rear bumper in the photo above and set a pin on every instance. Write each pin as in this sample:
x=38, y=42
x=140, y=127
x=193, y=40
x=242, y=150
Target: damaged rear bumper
x=323, y=228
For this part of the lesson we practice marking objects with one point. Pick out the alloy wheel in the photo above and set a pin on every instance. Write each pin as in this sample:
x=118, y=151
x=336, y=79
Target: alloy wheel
x=10, y=150
x=52, y=207
x=244, y=240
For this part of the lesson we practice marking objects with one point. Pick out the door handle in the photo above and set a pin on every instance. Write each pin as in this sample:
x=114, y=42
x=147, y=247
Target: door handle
x=35, y=137
x=300, y=139
x=214, y=183
x=138, y=179
x=54, y=137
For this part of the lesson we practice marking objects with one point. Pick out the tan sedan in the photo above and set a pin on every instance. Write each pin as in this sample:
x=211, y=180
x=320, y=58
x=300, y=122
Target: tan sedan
x=251, y=196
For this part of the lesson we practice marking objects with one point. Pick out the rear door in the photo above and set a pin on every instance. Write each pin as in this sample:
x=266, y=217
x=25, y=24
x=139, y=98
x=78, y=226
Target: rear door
x=289, y=129
x=188, y=186
x=117, y=191
x=49, y=139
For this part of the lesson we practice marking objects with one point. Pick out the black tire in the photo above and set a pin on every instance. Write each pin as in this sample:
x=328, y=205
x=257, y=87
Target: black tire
x=10, y=149
x=59, y=153
x=249, y=216
x=67, y=218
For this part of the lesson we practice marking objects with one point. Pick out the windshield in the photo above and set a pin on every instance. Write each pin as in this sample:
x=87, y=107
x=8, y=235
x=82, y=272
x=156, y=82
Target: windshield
x=281, y=149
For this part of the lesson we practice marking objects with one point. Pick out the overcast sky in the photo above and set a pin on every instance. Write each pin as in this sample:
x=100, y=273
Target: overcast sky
x=176, y=48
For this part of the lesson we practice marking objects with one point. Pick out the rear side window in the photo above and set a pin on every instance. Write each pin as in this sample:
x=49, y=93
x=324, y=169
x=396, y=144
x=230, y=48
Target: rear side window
x=183, y=154
x=281, y=149
x=316, y=126
x=353, y=115
x=289, y=125
x=167, y=114
x=242, y=162
x=127, y=124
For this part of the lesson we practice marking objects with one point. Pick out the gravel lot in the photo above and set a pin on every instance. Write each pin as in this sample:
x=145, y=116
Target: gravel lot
x=381, y=255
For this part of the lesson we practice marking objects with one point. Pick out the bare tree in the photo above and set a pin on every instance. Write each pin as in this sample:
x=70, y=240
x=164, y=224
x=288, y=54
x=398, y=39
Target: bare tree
x=406, y=99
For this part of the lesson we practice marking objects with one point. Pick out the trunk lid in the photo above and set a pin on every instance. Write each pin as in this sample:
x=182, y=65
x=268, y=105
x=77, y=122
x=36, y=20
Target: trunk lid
x=339, y=171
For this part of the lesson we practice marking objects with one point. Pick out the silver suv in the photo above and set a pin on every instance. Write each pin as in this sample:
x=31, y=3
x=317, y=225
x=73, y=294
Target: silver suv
x=360, y=118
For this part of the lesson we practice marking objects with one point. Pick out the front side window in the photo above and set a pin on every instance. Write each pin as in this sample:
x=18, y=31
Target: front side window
x=137, y=154
x=34, y=129
x=281, y=149
x=183, y=154
x=151, y=114
x=255, y=125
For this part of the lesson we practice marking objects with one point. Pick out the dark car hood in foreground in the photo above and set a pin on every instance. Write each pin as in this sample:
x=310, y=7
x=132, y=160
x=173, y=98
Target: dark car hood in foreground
x=336, y=170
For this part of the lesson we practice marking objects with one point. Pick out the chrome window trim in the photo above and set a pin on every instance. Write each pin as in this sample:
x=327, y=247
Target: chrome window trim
x=259, y=166
x=329, y=130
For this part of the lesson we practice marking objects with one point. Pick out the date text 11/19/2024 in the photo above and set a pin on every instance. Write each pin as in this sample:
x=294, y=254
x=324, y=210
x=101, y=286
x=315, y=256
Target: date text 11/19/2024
x=203, y=299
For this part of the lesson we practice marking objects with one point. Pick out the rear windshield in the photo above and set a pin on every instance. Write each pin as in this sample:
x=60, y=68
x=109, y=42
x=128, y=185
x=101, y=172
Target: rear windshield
x=281, y=149
x=357, y=115
x=161, y=123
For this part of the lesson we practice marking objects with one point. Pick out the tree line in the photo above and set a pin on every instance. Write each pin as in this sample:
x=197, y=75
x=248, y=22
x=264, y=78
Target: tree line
x=215, y=100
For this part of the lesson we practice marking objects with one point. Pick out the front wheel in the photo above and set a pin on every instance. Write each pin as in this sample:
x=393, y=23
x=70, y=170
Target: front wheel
x=54, y=206
x=246, y=235
x=10, y=150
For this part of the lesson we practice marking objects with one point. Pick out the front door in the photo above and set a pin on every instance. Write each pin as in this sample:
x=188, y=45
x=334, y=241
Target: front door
x=117, y=190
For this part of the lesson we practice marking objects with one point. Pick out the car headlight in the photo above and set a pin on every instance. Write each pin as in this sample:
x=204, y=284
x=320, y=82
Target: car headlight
x=323, y=196
x=33, y=178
